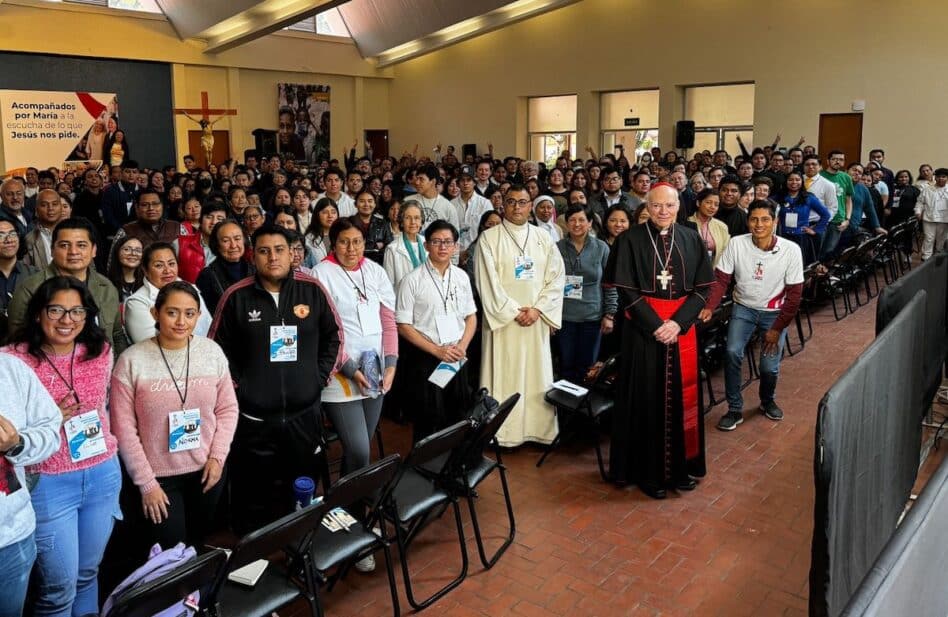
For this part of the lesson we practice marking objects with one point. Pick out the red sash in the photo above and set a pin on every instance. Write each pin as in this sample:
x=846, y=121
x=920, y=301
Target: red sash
x=688, y=365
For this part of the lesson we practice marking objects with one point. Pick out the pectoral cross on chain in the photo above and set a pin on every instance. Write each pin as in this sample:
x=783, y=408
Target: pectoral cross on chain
x=664, y=278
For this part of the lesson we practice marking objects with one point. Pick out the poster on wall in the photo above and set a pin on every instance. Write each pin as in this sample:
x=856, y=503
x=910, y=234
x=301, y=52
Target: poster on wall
x=44, y=129
x=303, y=127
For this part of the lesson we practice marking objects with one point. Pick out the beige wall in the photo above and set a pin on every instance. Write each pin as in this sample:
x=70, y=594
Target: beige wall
x=244, y=78
x=889, y=54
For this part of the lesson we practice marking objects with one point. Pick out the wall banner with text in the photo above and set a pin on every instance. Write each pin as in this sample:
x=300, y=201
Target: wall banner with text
x=43, y=129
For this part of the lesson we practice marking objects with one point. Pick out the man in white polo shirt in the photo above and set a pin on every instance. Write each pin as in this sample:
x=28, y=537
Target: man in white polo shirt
x=437, y=319
x=768, y=279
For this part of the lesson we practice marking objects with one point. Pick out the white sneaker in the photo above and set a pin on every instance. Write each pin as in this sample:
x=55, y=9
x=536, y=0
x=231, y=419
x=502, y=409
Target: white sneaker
x=366, y=564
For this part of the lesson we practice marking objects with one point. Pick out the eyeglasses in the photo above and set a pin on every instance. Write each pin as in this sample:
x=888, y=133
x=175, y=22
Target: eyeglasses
x=253, y=217
x=151, y=205
x=438, y=243
x=355, y=243
x=128, y=250
x=521, y=203
x=8, y=235
x=297, y=249
x=76, y=313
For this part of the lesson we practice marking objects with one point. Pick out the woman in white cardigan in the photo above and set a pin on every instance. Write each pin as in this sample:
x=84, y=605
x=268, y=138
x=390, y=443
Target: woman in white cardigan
x=407, y=251
x=161, y=267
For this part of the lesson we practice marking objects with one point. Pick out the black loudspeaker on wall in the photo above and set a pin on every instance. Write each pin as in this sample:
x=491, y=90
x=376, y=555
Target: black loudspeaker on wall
x=468, y=150
x=685, y=134
x=265, y=141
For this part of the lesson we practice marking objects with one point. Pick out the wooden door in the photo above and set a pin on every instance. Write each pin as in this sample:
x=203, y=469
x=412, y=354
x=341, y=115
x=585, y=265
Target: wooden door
x=841, y=132
x=378, y=140
x=221, y=148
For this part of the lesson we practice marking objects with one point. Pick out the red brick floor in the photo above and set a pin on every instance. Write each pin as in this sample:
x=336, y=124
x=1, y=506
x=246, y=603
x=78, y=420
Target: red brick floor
x=738, y=545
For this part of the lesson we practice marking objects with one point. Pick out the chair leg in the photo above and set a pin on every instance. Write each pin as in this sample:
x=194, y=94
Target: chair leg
x=490, y=561
x=403, y=551
x=393, y=587
x=564, y=430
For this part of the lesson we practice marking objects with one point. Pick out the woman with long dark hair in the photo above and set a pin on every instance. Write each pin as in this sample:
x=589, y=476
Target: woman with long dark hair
x=124, y=271
x=325, y=213
x=796, y=204
x=76, y=498
x=175, y=414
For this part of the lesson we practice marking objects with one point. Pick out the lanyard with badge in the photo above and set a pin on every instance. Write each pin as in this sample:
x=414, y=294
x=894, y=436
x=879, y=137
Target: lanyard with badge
x=574, y=282
x=524, y=269
x=449, y=331
x=184, y=425
x=83, y=431
x=369, y=320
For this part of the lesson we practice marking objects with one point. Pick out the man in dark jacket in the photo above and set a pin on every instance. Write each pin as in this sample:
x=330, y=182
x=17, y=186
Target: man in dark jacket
x=281, y=336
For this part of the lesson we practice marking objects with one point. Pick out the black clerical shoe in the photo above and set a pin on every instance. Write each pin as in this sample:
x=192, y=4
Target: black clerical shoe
x=654, y=492
x=687, y=484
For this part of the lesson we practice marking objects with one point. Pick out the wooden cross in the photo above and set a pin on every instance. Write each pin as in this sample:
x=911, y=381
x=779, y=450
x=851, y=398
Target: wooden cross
x=205, y=111
x=664, y=279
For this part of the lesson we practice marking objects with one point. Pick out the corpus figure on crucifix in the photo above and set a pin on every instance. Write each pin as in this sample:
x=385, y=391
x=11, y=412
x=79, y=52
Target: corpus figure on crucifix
x=207, y=126
x=663, y=275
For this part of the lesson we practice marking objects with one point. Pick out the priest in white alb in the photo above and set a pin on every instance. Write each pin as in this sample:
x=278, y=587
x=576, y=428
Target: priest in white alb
x=520, y=277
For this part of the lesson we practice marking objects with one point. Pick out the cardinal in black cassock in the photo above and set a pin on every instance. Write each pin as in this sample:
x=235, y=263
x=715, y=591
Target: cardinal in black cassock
x=662, y=272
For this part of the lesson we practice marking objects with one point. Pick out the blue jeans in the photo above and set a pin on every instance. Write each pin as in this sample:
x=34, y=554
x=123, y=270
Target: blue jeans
x=744, y=322
x=16, y=561
x=830, y=241
x=579, y=346
x=75, y=512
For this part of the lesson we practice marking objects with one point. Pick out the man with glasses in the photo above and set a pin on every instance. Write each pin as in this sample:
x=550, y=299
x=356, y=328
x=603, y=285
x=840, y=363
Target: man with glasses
x=13, y=197
x=521, y=280
x=436, y=316
x=280, y=335
x=835, y=173
x=663, y=275
x=148, y=226
x=12, y=270
x=74, y=248
x=611, y=193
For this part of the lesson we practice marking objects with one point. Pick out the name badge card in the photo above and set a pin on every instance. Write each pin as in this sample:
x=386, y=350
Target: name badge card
x=448, y=329
x=523, y=268
x=184, y=430
x=369, y=319
x=85, y=437
x=790, y=220
x=574, y=287
x=283, y=343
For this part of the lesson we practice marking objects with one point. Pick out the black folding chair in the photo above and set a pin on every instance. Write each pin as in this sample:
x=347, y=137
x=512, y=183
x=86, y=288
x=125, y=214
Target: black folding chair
x=370, y=485
x=417, y=494
x=281, y=583
x=839, y=281
x=199, y=574
x=582, y=413
x=470, y=465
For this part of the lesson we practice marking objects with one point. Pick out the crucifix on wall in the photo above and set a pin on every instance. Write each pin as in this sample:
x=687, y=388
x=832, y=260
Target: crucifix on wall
x=207, y=126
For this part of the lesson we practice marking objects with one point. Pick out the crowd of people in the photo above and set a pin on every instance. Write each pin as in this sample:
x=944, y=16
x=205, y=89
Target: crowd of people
x=187, y=330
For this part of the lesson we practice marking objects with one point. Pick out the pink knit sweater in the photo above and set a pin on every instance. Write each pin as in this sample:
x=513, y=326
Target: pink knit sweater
x=144, y=394
x=91, y=382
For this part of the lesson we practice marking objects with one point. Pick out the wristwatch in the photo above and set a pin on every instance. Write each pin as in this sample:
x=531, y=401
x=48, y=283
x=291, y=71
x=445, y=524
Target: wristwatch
x=15, y=450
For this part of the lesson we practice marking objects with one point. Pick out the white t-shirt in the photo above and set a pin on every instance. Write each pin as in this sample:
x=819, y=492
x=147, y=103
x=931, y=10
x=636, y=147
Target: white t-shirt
x=470, y=214
x=424, y=296
x=435, y=208
x=761, y=277
x=357, y=296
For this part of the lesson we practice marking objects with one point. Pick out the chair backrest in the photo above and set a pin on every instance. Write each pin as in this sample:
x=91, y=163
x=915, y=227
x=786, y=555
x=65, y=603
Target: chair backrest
x=164, y=592
x=444, y=441
x=290, y=530
x=478, y=439
x=371, y=483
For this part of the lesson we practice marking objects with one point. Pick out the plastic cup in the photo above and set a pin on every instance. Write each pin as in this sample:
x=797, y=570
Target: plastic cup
x=303, y=489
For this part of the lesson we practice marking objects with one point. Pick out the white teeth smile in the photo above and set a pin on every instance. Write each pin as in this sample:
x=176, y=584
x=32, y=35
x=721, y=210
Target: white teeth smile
x=64, y=331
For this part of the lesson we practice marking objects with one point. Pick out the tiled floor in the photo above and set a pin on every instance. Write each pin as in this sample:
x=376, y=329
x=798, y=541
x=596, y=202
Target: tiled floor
x=738, y=545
